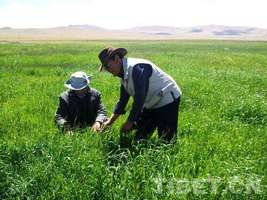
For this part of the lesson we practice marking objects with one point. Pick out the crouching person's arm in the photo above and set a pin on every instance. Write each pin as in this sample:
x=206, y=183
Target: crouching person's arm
x=101, y=115
x=61, y=116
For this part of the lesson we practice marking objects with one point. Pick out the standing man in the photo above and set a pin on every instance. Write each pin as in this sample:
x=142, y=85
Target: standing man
x=156, y=95
x=80, y=106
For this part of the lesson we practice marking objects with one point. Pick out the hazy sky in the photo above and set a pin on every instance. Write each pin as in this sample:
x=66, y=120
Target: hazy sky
x=129, y=13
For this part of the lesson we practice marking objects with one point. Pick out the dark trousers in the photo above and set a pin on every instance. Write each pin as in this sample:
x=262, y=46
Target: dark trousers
x=165, y=119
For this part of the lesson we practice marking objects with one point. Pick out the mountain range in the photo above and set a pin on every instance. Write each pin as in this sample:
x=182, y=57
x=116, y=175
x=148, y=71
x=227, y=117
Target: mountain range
x=89, y=32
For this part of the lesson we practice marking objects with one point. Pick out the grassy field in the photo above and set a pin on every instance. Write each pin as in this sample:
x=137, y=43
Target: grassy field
x=221, y=148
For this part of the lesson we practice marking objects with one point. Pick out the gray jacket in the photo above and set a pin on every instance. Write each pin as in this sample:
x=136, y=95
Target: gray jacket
x=80, y=112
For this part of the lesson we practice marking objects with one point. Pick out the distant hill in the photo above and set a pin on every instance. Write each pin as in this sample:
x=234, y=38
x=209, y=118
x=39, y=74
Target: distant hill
x=85, y=26
x=89, y=32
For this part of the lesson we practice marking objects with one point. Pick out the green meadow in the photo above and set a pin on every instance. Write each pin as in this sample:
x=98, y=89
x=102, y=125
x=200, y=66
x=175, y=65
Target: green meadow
x=220, y=152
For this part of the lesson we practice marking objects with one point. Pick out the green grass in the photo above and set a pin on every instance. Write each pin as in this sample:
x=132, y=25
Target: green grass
x=221, y=148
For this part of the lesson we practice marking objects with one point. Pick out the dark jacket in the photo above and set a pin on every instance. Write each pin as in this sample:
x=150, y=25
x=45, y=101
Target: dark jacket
x=80, y=112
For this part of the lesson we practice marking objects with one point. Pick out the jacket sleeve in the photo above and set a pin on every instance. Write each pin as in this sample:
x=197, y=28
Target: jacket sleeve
x=121, y=104
x=101, y=115
x=141, y=74
x=61, y=113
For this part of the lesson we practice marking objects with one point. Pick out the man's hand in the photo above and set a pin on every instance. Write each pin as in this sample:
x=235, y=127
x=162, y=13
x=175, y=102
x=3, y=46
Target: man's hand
x=96, y=127
x=68, y=129
x=106, y=124
x=127, y=126
x=109, y=121
x=70, y=133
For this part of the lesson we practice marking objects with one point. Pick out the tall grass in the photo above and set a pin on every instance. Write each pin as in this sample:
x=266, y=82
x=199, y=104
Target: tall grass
x=220, y=152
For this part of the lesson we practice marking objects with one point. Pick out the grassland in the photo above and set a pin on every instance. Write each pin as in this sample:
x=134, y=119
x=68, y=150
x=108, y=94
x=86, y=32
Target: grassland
x=221, y=148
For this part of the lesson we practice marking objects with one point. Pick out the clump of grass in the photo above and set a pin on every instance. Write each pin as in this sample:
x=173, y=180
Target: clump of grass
x=250, y=113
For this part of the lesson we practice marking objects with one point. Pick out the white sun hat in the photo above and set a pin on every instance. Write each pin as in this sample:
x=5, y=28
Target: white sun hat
x=78, y=81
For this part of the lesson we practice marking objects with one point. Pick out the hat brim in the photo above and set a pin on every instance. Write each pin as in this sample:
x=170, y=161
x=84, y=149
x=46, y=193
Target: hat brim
x=121, y=51
x=69, y=86
x=100, y=68
x=72, y=87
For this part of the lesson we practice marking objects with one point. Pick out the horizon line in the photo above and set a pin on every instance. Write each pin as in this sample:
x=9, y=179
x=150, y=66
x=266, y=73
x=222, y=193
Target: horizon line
x=102, y=27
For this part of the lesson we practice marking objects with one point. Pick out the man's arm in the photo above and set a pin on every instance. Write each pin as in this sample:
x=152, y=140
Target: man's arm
x=61, y=113
x=121, y=104
x=141, y=74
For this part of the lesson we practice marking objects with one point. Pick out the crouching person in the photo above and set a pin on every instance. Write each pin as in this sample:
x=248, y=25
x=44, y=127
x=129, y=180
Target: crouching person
x=80, y=106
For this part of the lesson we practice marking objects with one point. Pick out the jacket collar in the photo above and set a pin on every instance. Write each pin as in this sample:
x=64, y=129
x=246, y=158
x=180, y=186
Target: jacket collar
x=125, y=69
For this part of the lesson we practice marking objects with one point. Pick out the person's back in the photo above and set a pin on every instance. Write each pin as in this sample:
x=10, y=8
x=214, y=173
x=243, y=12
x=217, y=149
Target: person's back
x=162, y=88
